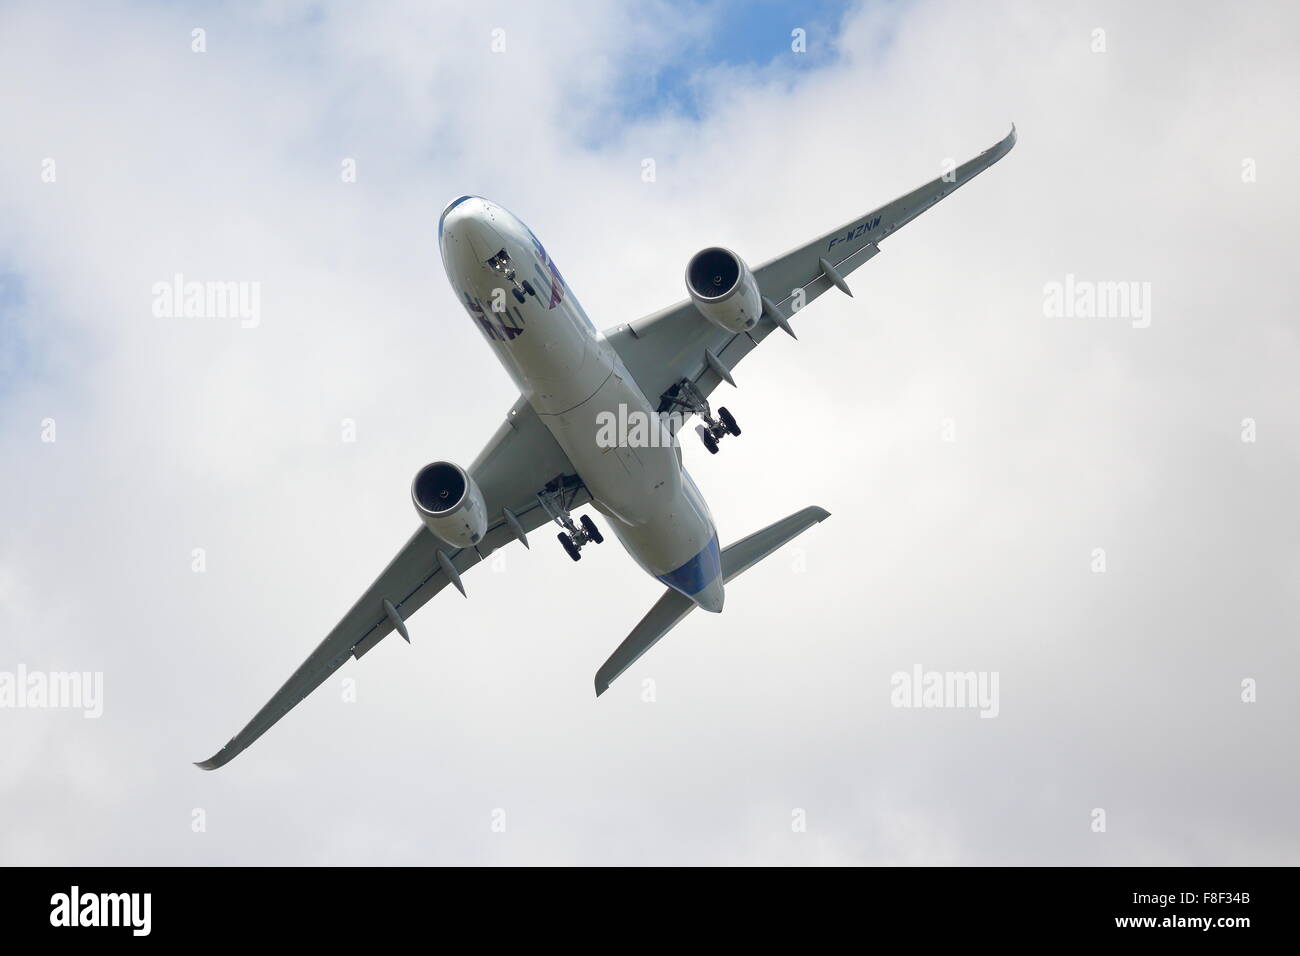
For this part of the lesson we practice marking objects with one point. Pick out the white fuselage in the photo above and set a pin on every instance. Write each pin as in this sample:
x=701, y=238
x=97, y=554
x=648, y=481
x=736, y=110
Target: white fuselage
x=576, y=381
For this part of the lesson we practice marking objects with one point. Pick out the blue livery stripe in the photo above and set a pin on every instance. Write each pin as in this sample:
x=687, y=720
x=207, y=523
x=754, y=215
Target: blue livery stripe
x=697, y=573
x=450, y=206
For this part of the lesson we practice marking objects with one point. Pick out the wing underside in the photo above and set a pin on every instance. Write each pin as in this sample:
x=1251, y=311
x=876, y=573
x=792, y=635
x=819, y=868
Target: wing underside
x=519, y=461
x=661, y=349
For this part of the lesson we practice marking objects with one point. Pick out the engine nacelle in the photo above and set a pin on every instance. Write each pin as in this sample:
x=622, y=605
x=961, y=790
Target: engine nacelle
x=450, y=504
x=724, y=289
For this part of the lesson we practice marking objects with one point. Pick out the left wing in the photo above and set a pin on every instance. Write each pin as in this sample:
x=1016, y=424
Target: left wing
x=662, y=349
x=518, y=462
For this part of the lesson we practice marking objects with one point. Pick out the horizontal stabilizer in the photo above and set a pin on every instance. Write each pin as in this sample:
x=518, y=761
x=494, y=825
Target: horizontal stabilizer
x=747, y=552
x=663, y=617
x=672, y=607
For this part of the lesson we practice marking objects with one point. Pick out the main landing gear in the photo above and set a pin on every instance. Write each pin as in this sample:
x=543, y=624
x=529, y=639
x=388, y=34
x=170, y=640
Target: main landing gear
x=686, y=397
x=555, y=499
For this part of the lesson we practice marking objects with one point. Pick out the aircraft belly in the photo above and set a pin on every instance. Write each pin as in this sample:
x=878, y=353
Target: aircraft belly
x=670, y=540
x=632, y=483
x=611, y=433
x=556, y=366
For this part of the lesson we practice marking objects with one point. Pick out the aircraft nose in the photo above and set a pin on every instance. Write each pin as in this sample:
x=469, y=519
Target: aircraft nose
x=450, y=217
x=464, y=224
x=712, y=597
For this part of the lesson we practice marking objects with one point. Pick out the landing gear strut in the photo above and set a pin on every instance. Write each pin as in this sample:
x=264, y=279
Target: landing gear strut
x=500, y=264
x=555, y=499
x=684, y=396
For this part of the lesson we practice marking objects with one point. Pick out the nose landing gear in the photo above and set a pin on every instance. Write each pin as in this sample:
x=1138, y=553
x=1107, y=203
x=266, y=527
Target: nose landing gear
x=501, y=265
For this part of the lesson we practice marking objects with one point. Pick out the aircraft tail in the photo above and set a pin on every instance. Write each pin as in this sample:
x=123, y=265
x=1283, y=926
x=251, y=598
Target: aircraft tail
x=672, y=606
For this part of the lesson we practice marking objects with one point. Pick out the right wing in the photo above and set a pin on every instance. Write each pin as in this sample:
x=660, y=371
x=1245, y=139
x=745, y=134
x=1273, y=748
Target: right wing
x=661, y=349
x=518, y=462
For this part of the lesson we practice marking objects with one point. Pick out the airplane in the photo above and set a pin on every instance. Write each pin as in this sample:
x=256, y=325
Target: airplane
x=554, y=454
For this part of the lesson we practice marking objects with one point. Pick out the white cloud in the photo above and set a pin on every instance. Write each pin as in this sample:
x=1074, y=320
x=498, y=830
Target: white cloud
x=1119, y=690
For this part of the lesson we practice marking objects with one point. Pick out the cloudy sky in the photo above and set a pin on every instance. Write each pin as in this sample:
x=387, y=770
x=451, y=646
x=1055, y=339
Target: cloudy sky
x=983, y=458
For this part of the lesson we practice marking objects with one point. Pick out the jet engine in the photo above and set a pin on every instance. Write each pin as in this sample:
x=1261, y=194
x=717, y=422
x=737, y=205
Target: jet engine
x=450, y=504
x=724, y=289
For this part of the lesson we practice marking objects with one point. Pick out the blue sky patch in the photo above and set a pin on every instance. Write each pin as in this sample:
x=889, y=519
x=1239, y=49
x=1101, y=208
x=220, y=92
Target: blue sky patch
x=755, y=34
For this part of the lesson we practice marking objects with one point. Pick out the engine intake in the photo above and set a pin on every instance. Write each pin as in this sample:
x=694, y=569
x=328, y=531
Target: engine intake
x=450, y=504
x=723, y=289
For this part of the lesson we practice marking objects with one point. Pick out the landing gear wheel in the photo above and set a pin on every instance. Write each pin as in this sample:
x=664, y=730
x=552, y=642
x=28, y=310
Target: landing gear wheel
x=590, y=528
x=570, y=548
x=710, y=442
x=728, y=422
x=528, y=287
x=519, y=296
